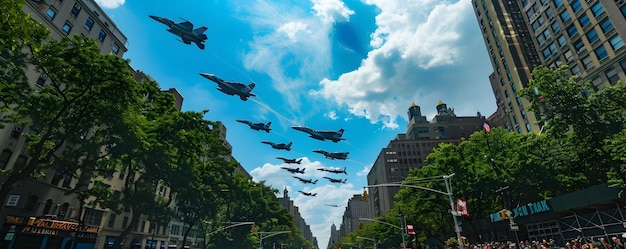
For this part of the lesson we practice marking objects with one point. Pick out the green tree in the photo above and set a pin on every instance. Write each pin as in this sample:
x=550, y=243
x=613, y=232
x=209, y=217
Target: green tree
x=71, y=116
x=19, y=35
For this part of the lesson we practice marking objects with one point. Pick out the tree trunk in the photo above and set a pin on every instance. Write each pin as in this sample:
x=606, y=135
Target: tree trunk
x=134, y=220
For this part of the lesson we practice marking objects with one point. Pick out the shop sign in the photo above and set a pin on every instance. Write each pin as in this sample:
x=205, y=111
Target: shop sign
x=525, y=210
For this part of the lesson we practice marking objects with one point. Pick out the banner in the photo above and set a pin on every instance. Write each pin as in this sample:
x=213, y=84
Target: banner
x=461, y=207
x=409, y=229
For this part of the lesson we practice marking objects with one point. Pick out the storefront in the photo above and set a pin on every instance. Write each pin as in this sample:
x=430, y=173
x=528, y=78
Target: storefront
x=32, y=232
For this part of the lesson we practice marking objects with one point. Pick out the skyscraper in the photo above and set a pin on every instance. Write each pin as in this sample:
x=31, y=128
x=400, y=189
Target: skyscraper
x=409, y=150
x=586, y=35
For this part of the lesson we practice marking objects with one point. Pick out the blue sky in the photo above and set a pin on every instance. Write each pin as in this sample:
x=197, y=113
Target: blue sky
x=326, y=64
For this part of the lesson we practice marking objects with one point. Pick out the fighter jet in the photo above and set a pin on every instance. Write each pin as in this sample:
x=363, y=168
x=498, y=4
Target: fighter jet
x=334, y=136
x=333, y=155
x=257, y=126
x=279, y=146
x=185, y=31
x=290, y=161
x=294, y=171
x=231, y=88
x=336, y=171
x=307, y=181
x=307, y=193
x=333, y=180
x=333, y=205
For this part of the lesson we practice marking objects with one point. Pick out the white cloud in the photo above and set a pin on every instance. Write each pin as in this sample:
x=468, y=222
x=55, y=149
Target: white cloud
x=292, y=28
x=110, y=4
x=331, y=11
x=364, y=171
x=332, y=115
x=306, y=54
x=424, y=51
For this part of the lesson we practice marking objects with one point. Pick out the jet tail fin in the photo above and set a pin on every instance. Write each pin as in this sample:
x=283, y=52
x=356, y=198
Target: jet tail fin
x=340, y=132
x=251, y=86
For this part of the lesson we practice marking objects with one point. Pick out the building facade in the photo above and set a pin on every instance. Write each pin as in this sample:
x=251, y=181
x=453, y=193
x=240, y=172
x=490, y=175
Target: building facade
x=356, y=208
x=300, y=223
x=407, y=151
x=586, y=35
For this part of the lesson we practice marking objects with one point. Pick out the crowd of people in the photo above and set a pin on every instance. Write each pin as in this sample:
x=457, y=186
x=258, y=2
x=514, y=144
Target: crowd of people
x=614, y=242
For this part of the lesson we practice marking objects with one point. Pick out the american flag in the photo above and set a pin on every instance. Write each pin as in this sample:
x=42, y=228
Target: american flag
x=487, y=127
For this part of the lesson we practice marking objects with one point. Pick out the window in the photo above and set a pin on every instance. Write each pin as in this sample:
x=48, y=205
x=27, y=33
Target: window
x=597, y=9
x=576, y=5
x=549, y=12
x=111, y=222
x=47, y=207
x=102, y=35
x=92, y=217
x=51, y=13
x=601, y=52
x=597, y=83
x=623, y=9
x=541, y=40
x=584, y=20
x=569, y=56
x=587, y=62
x=546, y=33
x=606, y=25
x=579, y=46
x=555, y=27
x=32, y=203
x=42, y=79
x=552, y=48
x=592, y=36
x=89, y=24
x=4, y=158
x=558, y=3
x=66, y=181
x=12, y=200
x=623, y=64
x=67, y=27
x=125, y=222
x=20, y=162
x=562, y=41
x=575, y=70
x=565, y=16
x=572, y=30
x=616, y=42
x=535, y=25
x=115, y=48
x=64, y=208
x=611, y=75
x=76, y=9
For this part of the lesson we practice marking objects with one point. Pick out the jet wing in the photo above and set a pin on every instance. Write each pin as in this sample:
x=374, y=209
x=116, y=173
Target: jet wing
x=186, y=25
x=185, y=40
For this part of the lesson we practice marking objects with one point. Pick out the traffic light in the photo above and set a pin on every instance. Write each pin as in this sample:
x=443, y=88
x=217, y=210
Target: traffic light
x=504, y=214
x=365, y=197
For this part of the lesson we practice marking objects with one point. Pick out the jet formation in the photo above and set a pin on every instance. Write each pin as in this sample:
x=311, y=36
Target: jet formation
x=187, y=34
x=257, y=126
x=335, y=171
x=290, y=161
x=334, y=136
x=231, y=88
x=333, y=155
x=279, y=146
x=294, y=171
x=185, y=31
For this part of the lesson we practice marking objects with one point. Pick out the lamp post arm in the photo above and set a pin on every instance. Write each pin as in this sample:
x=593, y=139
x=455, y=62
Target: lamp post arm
x=405, y=185
x=380, y=221
x=230, y=226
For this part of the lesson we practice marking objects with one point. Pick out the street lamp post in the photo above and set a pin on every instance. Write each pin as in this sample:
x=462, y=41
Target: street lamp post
x=389, y=224
x=370, y=239
x=233, y=224
x=446, y=179
x=265, y=235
